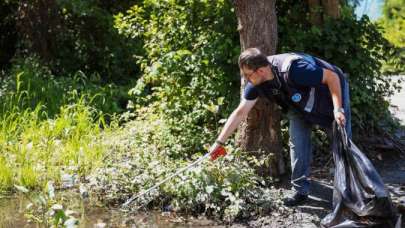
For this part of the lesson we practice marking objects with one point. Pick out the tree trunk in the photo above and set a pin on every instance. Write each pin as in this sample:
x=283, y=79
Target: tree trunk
x=260, y=132
x=319, y=10
x=331, y=8
x=37, y=23
x=315, y=12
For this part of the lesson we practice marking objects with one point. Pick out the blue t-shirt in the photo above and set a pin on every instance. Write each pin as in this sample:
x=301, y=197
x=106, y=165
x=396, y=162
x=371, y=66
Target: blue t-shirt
x=302, y=73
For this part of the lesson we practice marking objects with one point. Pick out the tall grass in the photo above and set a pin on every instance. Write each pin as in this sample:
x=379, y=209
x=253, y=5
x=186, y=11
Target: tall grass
x=47, y=128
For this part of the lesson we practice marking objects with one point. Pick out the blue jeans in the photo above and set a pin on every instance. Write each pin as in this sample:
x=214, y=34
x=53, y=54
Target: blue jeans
x=301, y=147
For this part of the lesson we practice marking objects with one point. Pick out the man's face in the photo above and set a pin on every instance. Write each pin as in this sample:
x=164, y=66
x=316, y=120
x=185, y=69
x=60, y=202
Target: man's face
x=254, y=76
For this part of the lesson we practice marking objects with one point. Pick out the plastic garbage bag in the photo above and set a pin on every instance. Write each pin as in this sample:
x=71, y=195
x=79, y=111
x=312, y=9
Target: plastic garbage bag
x=359, y=196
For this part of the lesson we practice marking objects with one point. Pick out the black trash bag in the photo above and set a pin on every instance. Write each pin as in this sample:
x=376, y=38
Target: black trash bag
x=359, y=196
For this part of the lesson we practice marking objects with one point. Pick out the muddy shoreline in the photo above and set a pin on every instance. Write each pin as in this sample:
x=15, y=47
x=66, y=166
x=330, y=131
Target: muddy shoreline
x=308, y=215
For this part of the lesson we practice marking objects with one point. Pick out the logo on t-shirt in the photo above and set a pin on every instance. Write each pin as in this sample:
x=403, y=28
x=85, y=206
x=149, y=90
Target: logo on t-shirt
x=296, y=97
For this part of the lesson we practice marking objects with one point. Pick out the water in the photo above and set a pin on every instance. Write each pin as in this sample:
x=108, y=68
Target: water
x=12, y=210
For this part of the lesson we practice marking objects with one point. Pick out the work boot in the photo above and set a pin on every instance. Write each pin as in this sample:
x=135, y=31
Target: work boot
x=295, y=200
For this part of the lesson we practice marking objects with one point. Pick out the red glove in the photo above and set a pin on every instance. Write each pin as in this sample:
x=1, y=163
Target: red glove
x=217, y=152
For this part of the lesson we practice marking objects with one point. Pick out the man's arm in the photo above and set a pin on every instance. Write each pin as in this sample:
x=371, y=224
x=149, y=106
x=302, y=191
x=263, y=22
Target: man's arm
x=331, y=79
x=235, y=118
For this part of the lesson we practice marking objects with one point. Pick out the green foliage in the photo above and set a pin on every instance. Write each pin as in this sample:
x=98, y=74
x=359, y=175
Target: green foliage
x=227, y=188
x=189, y=65
x=393, y=24
x=35, y=151
x=46, y=127
x=30, y=84
x=394, y=21
x=89, y=42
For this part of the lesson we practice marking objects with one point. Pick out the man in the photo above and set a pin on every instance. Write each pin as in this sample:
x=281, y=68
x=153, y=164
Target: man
x=312, y=91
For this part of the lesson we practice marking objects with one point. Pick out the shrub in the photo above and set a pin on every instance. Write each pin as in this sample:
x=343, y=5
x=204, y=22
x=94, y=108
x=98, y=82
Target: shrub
x=188, y=67
x=227, y=189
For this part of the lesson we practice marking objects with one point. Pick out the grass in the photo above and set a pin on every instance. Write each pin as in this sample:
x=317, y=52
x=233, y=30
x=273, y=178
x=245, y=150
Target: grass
x=47, y=128
x=34, y=151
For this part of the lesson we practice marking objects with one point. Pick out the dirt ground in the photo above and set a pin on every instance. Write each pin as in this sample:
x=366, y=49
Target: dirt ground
x=320, y=202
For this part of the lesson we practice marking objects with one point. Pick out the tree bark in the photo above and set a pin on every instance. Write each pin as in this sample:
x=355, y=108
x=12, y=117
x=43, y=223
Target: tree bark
x=260, y=132
x=319, y=10
x=37, y=22
x=315, y=12
x=331, y=8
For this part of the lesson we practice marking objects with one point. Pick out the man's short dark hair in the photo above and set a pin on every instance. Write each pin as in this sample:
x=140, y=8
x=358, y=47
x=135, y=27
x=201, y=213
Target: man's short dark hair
x=253, y=59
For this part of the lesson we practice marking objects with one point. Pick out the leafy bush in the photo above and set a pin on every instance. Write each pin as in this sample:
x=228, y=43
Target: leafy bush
x=227, y=189
x=90, y=43
x=188, y=67
x=393, y=27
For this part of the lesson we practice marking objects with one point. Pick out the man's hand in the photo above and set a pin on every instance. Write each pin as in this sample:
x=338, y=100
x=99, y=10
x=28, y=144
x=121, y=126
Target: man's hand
x=217, y=151
x=340, y=118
